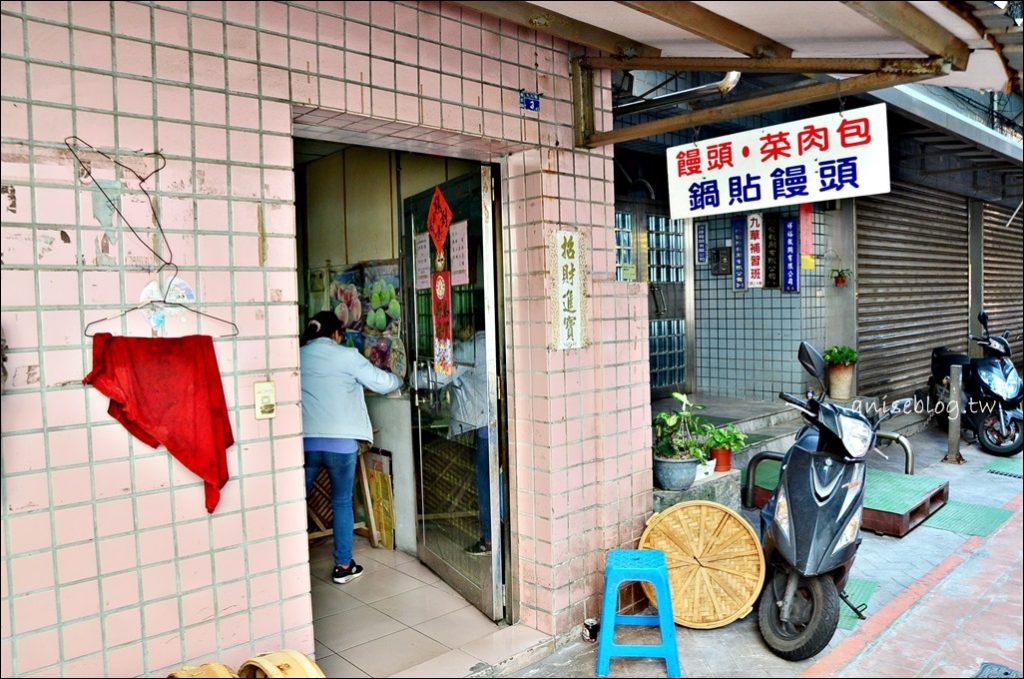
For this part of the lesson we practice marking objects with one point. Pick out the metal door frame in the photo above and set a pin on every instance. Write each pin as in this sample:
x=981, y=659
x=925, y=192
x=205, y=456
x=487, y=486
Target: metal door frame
x=494, y=605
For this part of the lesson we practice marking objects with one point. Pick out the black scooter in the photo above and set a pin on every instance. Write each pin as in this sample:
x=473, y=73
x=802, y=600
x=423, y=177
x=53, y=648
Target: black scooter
x=990, y=401
x=810, y=528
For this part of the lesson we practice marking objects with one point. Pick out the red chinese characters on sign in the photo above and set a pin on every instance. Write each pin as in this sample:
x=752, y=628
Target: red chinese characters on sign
x=775, y=145
x=688, y=162
x=720, y=156
x=812, y=137
x=854, y=132
x=439, y=216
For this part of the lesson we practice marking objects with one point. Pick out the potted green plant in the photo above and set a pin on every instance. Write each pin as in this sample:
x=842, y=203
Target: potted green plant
x=679, y=445
x=839, y=277
x=840, y=360
x=722, y=443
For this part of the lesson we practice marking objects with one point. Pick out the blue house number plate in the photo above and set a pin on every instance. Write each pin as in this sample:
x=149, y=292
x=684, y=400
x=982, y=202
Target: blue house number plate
x=529, y=101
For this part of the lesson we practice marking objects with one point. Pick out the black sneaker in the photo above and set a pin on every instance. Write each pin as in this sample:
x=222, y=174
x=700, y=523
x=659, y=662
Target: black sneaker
x=343, y=574
x=479, y=548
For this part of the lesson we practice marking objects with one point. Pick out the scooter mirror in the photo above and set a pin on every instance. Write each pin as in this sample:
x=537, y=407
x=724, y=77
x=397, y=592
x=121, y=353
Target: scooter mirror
x=812, y=362
x=983, y=319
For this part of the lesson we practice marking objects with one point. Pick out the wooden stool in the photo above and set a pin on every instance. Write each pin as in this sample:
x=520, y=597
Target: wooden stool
x=321, y=513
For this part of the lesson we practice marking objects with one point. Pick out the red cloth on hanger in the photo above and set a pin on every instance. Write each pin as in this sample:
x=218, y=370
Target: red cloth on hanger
x=168, y=391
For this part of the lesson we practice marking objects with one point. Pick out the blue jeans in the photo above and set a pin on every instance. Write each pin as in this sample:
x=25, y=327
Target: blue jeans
x=483, y=483
x=341, y=468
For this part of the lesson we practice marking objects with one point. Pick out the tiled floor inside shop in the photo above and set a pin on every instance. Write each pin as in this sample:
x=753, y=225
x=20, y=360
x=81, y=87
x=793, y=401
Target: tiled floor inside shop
x=400, y=619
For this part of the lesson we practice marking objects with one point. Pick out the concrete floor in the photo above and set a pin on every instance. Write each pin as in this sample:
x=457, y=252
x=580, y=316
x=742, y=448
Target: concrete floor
x=945, y=603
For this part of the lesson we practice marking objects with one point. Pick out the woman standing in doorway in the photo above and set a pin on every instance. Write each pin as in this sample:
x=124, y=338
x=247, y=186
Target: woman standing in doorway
x=335, y=420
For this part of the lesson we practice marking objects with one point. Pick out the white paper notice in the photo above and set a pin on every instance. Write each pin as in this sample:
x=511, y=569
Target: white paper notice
x=422, y=261
x=458, y=234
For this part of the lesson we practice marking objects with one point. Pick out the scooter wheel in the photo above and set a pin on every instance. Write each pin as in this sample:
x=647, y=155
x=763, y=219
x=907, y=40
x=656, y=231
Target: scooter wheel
x=992, y=441
x=814, y=616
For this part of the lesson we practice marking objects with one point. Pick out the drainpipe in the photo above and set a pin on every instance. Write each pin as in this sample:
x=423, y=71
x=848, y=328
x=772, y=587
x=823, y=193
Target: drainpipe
x=723, y=86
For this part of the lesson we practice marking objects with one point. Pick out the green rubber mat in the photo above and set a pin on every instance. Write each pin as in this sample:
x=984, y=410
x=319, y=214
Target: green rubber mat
x=968, y=519
x=756, y=438
x=717, y=421
x=1008, y=466
x=884, y=491
x=859, y=592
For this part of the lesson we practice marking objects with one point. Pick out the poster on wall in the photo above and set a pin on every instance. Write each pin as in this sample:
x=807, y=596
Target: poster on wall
x=755, y=251
x=739, y=253
x=829, y=157
x=421, y=245
x=441, y=310
x=459, y=248
x=790, y=255
x=568, y=273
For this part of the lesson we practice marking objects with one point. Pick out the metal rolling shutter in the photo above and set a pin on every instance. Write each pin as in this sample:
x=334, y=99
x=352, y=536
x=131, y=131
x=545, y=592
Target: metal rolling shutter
x=912, y=285
x=1004, y=275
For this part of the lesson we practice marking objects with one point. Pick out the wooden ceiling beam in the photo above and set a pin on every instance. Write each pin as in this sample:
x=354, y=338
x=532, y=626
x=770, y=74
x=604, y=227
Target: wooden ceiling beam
x=798, y=95
x=694, y=19
x=561, y=26
x=913, y=26
x=766, y=65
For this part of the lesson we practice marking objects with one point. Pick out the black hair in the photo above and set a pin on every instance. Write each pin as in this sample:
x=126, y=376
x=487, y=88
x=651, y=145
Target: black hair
x=323, y=324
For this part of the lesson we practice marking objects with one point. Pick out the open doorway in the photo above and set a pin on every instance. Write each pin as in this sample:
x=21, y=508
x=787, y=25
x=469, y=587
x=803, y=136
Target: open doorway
x=402, y=247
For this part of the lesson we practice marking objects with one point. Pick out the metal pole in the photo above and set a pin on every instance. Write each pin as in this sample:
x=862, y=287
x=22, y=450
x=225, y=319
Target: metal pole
x=953, y=412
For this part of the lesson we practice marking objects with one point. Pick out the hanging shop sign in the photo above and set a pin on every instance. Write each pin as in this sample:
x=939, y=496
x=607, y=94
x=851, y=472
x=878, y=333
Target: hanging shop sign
x=755, y=251
x=739, y=253
x=441, y=310
x=568, y=273
x=790, y=255
x=829, y=157
x=702, y=243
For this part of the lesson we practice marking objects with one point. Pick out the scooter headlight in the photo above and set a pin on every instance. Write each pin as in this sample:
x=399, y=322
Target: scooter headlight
x=849, y=533
x=857, y=435
x=782, y=512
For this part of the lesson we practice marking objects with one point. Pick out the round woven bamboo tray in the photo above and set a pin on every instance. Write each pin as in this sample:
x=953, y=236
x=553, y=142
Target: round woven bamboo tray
x=286, y=663
x=715, y=563
x=210, y=669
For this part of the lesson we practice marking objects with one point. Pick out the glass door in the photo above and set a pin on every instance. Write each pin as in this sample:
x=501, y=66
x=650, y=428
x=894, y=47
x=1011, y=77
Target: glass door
x=449, y=241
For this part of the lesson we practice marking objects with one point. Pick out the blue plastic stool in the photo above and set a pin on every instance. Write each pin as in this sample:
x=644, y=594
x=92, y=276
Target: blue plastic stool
x=637, y=565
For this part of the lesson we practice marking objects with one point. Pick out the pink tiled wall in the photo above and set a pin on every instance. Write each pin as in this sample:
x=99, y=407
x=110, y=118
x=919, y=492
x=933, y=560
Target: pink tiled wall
x=110, y=565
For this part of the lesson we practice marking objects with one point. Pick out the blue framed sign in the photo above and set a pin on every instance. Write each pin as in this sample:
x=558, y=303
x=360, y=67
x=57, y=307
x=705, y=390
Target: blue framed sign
x=790, y=254
x=739, y=253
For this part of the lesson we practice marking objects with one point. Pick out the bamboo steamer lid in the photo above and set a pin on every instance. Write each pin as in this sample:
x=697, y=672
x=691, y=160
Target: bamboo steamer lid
x=715, y=562
x=286, y=663
x=210, y=669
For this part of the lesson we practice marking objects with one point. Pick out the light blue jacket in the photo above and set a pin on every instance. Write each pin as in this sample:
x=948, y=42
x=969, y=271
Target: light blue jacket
x=333, y=377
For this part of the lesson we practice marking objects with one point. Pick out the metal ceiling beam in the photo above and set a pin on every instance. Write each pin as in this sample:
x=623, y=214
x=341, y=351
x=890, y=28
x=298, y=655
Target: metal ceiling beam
x=915, y=27
x=797, y=96
x=766, y=65
x=561, y=26
x=693, y=18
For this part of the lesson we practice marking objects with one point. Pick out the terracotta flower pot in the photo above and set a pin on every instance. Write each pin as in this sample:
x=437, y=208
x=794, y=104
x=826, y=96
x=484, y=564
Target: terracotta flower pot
x=722, y=458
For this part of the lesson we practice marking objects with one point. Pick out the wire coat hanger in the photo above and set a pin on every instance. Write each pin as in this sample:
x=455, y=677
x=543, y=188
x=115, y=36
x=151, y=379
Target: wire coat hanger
x=165, y=262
